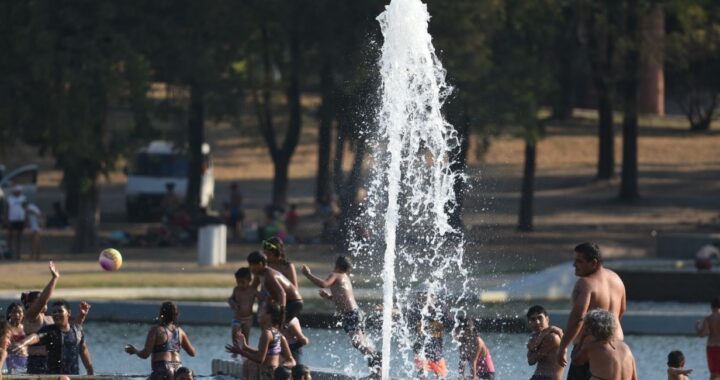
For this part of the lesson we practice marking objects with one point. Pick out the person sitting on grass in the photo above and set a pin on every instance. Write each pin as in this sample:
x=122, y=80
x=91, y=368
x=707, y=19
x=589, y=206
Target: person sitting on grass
x=341, y=293
x=163, y=343
x=64, y=342
x=271, y=346
x=676, y=366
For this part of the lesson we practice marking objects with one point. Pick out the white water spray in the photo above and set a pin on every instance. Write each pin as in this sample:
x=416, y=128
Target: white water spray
x=411, y=192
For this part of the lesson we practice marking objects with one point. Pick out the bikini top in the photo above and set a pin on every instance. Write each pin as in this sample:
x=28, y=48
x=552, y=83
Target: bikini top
x=17, y=337
x=274, y=348
x=486, y=364
x=172, y=344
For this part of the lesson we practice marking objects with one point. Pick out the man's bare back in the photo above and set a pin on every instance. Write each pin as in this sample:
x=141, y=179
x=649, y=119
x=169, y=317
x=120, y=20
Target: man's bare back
x=276, y=284
x=342, y=293
x=610, y=360
x=602, y=290
x=710, y=327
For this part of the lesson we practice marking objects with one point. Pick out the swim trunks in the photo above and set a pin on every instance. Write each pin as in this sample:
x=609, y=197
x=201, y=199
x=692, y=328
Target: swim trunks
x=438, y=367
x=245, y=323
x=579, y=372
x=164, y=370
x=16, y=364
x=292, y=309
x=713, y=358
x=37, y=365
x=351, y=321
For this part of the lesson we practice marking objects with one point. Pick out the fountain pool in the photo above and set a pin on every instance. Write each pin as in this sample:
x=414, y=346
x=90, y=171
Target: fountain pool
x=331, y=349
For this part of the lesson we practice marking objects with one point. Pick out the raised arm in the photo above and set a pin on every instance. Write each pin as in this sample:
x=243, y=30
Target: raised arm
x=86, y=359
x=317, y=280
x=581, y=302
x=34, y=310
x=257, y=355
x=149, y=343
x=28, y=341
x=185, y=343
x=84, y=308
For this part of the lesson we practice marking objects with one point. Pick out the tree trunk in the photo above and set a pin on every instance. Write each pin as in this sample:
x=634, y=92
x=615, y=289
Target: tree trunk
x=606, y=133
x=566, y=51
x=88, y=216
x=280, y=182
x=629, y=179
x=525, y=217
x=323, y=186
x=196, y=138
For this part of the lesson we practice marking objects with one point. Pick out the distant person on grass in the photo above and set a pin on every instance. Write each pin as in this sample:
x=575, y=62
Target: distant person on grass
x=15, y=220
x=710, y=327
x=676, y=366
x=237, y=215
x=276, y=287
x=64, y=342
x=607, y=356
x=596, y=288
x=543, y=345
x=163, y=343
x=342, y=295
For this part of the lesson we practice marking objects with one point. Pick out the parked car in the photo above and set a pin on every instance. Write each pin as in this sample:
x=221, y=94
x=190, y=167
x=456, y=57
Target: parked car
x=155, y=166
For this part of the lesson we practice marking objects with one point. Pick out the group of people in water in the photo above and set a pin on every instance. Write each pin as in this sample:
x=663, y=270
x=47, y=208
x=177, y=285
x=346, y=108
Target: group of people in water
x=33, y=342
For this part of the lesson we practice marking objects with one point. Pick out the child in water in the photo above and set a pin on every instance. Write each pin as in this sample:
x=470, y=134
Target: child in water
x=241, y=302
x=426, y=318
x=474, y=353
x=676, y=366
x=16, y=362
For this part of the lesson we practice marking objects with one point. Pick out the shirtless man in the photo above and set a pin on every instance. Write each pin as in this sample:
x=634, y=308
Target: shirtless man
x=710, y=327
x=341, y=293
x=279, y=288
x=608, y=357
x=543, y=344
x=597, y=288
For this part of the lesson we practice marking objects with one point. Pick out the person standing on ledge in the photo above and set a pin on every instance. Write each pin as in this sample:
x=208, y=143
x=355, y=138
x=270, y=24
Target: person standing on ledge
x=596, y=288
x=710, y=327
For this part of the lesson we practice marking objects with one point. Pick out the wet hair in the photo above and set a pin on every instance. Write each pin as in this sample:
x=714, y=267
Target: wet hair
x=343, y=263
x=299, y=371
x=676, y=359
x=243, y=273
x=715, y=303
x=168, y=313
x=28, y=298
x=183, y=371
x=275, y=312
x=12, y=308
x=276, y=246
x=256, y=257
x=537, y=309
x=282, y=373
x=601, y=324
x=590, y=251
x=64, y=304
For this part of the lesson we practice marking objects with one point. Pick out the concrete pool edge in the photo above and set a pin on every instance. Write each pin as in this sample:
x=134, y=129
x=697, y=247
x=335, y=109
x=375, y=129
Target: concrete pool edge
x=218, y=313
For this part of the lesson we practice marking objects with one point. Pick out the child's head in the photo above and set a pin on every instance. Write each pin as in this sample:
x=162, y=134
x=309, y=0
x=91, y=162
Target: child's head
x=274, y=314
x=537, y=318
x=274, y=248
x=168, y=313
x=343, y=264
x=466, y=327
x=184, y=373
x=301, y=372
x=243, y=277
x=257, y=262
x=15, y=312
x=281, y=373
x=676, y=359
x=715, y=303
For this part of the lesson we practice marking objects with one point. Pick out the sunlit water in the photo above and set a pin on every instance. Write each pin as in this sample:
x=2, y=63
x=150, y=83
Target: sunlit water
x=331, y=349
x=411, y=187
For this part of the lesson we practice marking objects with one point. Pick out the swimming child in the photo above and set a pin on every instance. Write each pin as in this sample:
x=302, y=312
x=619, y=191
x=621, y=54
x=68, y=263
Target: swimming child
x=241, y=302
x=676, y=366
x=341, y=293
x=474, y=353
x=710, y=327
x=271, y=346
x=16, y=362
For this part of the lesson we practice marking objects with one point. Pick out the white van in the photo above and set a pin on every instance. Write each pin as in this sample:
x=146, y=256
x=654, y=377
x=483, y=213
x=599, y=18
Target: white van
x=156, y=165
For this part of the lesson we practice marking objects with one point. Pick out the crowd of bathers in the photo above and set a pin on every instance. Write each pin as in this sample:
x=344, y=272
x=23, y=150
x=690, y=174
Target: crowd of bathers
x=267, y=295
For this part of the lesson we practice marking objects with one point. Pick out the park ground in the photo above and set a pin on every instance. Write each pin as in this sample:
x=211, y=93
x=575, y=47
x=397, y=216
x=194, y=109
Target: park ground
x=679, y=186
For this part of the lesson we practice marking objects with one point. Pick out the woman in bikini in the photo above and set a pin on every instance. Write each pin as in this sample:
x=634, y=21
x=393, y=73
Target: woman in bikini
x=271, y=346
x=16, y=362
x=163, y=343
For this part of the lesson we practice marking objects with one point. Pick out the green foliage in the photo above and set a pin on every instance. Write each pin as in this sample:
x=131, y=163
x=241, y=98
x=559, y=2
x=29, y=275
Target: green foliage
x=692, y=58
